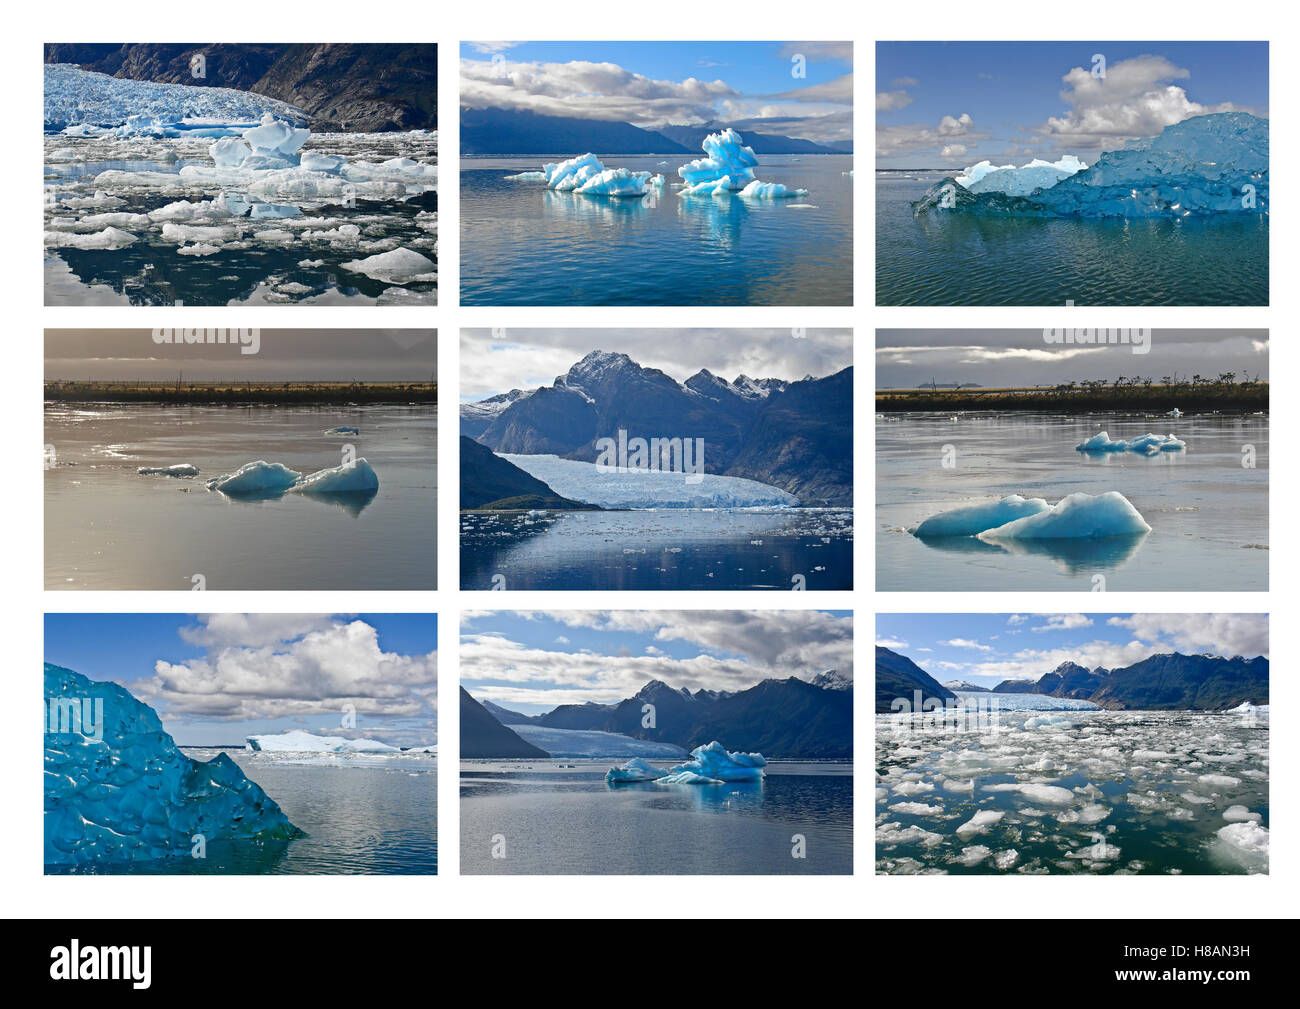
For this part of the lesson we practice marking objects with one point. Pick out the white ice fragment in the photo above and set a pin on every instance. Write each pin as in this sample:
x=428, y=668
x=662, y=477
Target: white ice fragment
x=355, y=477
x=258, y=477
x=401, y=266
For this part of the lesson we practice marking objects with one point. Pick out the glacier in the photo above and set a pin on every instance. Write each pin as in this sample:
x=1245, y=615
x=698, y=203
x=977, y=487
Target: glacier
x=299, y=741
x=710, y=764
x=1076, y=516
x=125, y=793
x=593, y=743
x=611, y=487
x=1205, y=165
x=973, y=519
x=1147, y=444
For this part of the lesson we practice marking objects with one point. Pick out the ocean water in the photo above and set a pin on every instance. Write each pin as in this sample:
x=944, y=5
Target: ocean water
x=107, y=527
x=363, y=814
x=559, y=817
x=961, y=259
x=666, y=548
x=1208, y=514
x=152, y=272
x=522, y=244
x=1106, y=792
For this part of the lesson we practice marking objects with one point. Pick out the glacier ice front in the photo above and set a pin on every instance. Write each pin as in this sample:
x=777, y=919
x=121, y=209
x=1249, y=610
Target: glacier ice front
x=711, y=764
x=614, y=487
x=118, y=790
x=1205, y=165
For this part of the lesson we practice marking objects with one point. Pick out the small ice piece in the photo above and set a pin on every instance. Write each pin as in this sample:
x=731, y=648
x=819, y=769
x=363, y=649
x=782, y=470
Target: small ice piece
x=400, y=266
x=1078, y=516
x=229, y=152
x=769, y=191
x=1219, y=780
x=258, y=477
x=1247, y=843
x=636, y=769
x=527, y=177
x=713, y=762
x=974, y=519
x=100, y=241
x=314, y=161
x=979, y=823
x=274, y=136
x=972, y=855
x=180, y=469
x=298, y=741
x=1240, y=814
x=349, y=478
x=1147, y=444
x=1006, y=859
x=343, y=429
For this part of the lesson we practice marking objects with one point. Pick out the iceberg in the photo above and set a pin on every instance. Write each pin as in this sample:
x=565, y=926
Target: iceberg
x=399, y=266
x=729, y=168
x=974, y=519
x=298, y=741
x=614, y=487
x=351, y=478
x=587, y=174
x=259, y=477
x=769, y=191
x=343, y=430
x=1245, y=843
x=1205, y=165
x=1013, y=181
x=180, y=469
x=711, y=764
x=1147, y=444
x=1077, y=516
x=122, y=791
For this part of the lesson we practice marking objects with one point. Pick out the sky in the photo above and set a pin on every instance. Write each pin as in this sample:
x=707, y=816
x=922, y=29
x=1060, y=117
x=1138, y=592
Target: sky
x=216, y=678
x=905, y=358
x=987, y=648
x=531, y=662
x=951, y=104
x=300, y=355
x=498, y=360
x=747, y=85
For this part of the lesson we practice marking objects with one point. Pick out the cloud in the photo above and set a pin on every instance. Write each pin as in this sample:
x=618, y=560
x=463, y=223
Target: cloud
x=1135, y=98
x=1063, y=622
x=904, y=82
x=952, y=137
x=490, y=48
x=888, y=101
x=892, y=643
x=967, y=643
x=818, y=52
x=1228, y=634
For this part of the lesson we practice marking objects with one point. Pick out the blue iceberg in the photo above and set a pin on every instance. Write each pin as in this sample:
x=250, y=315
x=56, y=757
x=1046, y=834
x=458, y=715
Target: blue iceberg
x=711, y=764
x=1212, y=164
x=729, y=168
x=258, y=477
x=1038, y=174
x=1077, y=516
x=355, y=477
x=1147, y=444
x=118, y=789
x=974, y=519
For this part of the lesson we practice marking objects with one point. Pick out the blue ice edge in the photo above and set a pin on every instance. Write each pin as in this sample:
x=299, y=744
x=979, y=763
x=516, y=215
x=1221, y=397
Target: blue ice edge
x=118, y=790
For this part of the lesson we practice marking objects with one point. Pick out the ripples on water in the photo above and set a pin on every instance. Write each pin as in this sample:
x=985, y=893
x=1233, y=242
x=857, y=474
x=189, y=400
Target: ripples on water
x=961, y=259
x=522, y=244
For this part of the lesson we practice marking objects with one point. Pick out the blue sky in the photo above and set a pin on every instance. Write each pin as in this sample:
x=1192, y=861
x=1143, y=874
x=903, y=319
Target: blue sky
x=531, y=662
x=649, y=84
x=216, y=678
x=956, y=103
x=986, y=648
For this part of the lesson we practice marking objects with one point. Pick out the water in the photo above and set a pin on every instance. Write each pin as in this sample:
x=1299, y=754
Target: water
x=522, y=244
x=107, y=527
x=561, y=818
x=1134, y=799
x=244, y=271
x=961, y=259
x=669, y=548
x=362, y=814
x=1208, y=514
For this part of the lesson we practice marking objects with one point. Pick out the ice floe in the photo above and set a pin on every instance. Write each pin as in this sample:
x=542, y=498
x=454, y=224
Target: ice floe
x=1147, y=444
x=1077, y=516
x=257, y=477
x=179, y=469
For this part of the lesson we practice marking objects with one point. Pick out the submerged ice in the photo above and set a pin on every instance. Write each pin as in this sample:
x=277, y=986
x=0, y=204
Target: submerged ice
x=711, y=764
x=121, y=791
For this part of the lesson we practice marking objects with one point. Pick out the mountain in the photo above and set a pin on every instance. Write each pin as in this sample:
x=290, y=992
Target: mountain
x=793, y=435
x=789, y=718
x=343, y=87
x=1182, y=682
x=1016, y=687
x=511, y=132
x=897, y=676
x=504, y=715
x=476, y=417
x=692, y=138
x=489, y=482
x=969, y=687
x=1070, y=679
x=482, y=737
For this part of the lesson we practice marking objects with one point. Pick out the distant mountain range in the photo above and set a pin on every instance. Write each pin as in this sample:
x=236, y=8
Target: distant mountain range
x=1167, y=682
x=797, y=436
x=482, y=737
x=511, y=132
x=489, y=482
x=356, y=87
x=790, y=718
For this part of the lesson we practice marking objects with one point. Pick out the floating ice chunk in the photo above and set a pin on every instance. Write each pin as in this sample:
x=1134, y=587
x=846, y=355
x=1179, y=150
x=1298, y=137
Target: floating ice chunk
x=125, y=793
x=1038, y=174
x=891, y=834
x=979, y=823
x=616, y=182
x=713, y=761
x=1054, y=722
x=229, y=152
x=274, y=136
x=1240, y=814
x=1006, y=859
x=1175, y=412
x=1048, y=795
x=202, y=249
x=298, y=741
x=567, y=175
x=314, y=161
x=259, y=477
x=180, y=469
x=729, y=161
x=401, y=266
x=107, y=240
x=1219, y=780
x=974, y=519
x=1246, y=843
x=528, y=177
x=1147, y=444
x=916, y=809
x=1078, y=516
x=636, y=769
x=355, y=477
x=343, y=430
x=972, y=856
x=769, y=191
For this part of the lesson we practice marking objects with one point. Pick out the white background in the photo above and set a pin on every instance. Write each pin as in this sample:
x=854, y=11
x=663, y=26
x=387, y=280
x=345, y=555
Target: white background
x=28, y=893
